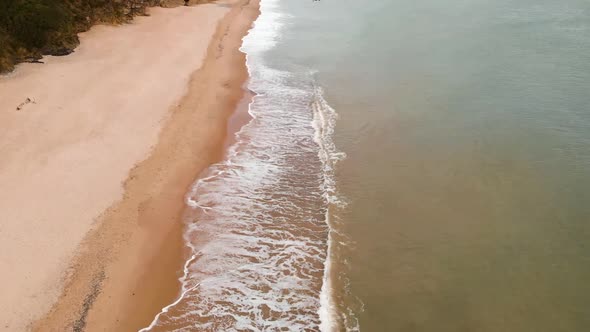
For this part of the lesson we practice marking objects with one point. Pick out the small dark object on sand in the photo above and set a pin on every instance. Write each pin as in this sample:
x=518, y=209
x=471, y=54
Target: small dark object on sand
x=27, y=101
x=33, y=60
x=186, y=2
x=61, y=51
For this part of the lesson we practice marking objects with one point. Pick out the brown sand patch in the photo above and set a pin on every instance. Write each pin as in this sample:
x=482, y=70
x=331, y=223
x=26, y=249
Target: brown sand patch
x=138, y=242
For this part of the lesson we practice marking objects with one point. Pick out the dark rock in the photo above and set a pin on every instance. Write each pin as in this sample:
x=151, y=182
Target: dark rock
x=61, y=51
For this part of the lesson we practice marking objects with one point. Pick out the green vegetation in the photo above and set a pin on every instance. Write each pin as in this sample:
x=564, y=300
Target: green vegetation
x=31, y=28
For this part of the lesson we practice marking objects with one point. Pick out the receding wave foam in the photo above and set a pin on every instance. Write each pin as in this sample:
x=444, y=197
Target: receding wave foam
x=260, y=235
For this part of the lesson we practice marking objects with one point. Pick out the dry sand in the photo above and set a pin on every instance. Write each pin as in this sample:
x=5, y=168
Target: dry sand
x=93, y=170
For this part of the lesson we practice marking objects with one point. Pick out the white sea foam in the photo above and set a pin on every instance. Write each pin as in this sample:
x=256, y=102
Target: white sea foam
x=261, y=237
x=324, y=121
x=266, y=30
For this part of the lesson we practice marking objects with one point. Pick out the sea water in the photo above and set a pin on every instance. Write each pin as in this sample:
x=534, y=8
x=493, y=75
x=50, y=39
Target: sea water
x=409, y=166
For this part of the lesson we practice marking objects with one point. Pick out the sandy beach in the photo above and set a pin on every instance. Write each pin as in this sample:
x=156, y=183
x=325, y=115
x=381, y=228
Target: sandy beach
x=98, y=149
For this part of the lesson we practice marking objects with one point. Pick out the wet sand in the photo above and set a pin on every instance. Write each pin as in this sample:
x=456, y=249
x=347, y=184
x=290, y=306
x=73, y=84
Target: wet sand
x=91, y=229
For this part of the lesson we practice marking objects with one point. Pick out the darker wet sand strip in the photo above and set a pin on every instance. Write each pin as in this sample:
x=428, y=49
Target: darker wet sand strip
x=71, y=129
x=127, y=268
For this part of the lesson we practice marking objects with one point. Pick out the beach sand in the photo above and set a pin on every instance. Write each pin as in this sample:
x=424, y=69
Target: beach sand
x=96, y=161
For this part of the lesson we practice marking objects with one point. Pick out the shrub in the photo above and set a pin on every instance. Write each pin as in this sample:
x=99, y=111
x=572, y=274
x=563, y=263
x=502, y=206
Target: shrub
x=30, y=28
x=31, y=22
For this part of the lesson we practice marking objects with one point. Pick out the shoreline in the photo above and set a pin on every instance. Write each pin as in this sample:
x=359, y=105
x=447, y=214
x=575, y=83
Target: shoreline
x=143, y=276
x=126, y=267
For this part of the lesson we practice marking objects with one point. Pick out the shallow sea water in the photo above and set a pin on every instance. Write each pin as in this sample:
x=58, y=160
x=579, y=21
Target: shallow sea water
x=409, y=166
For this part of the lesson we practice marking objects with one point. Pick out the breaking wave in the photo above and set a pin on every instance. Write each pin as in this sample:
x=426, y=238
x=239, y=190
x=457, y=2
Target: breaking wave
x=260, y=235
